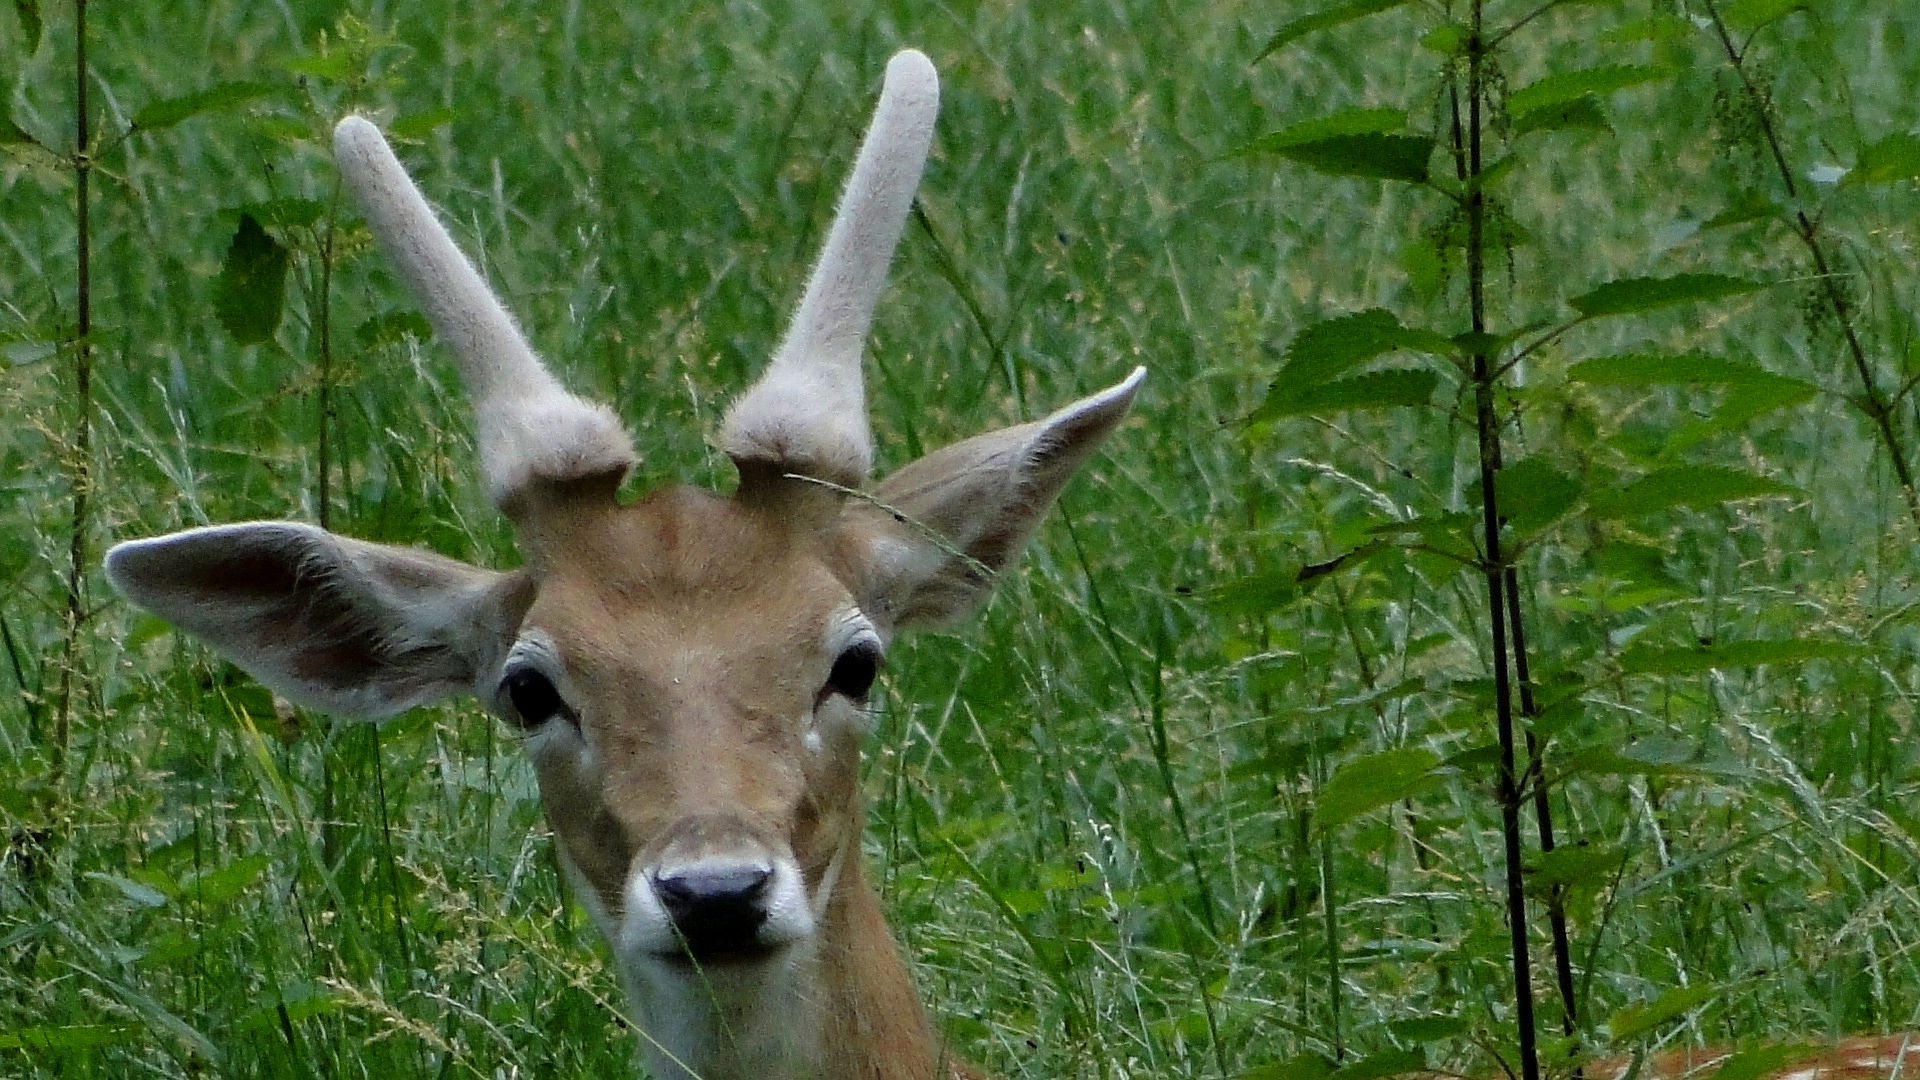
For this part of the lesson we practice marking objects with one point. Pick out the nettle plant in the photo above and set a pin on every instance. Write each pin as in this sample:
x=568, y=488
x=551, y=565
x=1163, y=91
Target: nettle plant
x=1553, y=483
x=691, y=672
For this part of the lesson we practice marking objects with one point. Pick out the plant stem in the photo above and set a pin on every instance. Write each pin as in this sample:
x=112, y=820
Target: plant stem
x=79, y=463
x=1495, y=568
x=1873, y=402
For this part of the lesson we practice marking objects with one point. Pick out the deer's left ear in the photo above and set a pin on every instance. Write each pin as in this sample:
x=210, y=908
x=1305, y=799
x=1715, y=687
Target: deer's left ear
x=351, y=628
x=962, y=513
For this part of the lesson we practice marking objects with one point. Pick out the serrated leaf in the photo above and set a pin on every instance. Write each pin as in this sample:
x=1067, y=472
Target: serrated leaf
x=1565, y=87
x=1671, y=369
x=1896, y=157
x=1581, y=112
x=1345, y=122
x=28, y=12
x=1684, y=485
x=251, y=289
x=1372, y=156
x=1651, y=660
x=1532, y=493
x=1643, y=1016
x=1570, y=867
x=1646, y=294
x=1331, y=347
x=1373, y=390
x=1323, y=19
x=170, y=111
x=1427, y=1029
x=1447, y=39
x=1258, y=594
x=1371, y=782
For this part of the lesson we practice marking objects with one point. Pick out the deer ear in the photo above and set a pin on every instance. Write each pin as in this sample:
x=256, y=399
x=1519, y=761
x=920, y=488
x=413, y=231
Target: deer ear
x=356, y=629
x=947, y=523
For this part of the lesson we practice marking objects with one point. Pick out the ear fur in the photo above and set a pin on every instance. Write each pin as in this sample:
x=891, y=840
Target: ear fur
x=962, y=513
x=344, y=626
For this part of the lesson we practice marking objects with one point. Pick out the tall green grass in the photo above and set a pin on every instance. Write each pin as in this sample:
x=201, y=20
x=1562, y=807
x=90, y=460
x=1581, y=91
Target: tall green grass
x=1093, y=808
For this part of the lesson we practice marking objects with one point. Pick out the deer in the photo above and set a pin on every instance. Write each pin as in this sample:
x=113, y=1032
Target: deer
x=691, y=674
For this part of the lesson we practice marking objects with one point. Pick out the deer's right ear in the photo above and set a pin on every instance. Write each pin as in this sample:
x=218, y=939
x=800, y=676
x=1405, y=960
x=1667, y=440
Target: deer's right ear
x=347, y=627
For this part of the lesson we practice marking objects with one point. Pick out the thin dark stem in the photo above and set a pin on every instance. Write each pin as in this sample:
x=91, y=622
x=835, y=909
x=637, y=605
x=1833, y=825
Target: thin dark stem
x=1489, y=432
x=79, y=464
x=1542, y=810
x=1873, y=401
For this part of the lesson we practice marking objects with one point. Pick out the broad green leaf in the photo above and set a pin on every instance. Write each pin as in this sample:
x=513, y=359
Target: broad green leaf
x=1606, y=761
x=1331, y=347
x=1896, y=157
x=1663, y=27
x=1757, y=1062
x=1581, y=112
x=1754, y=14
x=1373, y=156
x=335, y=66
x=1683, y=485
x=419, y=125
x=144, y=895
x=1566, y=87
x=221, y=884
x=1323, y=19
x=1371, y=782
x=1447, y=39
x=1422, y=1030
x=1653, y=660
x=11, y=132
x=28, y=12
x=1383, y=1064
x=1570, y=867
x=1305, y=1067
x=1372, y=390
x=1643, y=1016
x=1346, y=122
x=1531, y=493
x=1646, y=294
x=302, y=1001
x=1751, y=206
x=170, y=111
x=1258, y=594
x=251, y=289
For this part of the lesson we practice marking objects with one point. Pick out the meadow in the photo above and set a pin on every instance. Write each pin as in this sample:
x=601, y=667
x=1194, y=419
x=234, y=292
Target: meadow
x=1214, y=786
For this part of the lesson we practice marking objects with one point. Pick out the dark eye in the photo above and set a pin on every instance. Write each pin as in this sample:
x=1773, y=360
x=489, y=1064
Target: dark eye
x=533, y=697
x=854, y=670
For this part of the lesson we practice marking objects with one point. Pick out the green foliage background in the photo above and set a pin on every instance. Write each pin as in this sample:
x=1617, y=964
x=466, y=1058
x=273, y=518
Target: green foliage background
x=1206, y=791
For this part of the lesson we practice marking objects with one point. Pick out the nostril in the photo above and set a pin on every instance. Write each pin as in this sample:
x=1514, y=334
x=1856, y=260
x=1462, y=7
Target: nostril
x=716, y=910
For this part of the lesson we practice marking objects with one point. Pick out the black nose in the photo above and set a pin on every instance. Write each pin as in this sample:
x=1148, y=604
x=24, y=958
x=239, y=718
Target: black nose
x=716, y=912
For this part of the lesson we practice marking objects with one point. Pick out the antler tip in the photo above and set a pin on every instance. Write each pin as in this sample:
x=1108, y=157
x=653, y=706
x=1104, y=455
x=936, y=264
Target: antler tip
x=911, y=68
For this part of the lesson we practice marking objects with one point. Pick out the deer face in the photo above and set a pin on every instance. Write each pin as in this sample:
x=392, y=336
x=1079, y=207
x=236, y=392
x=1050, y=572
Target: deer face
x=691, y=672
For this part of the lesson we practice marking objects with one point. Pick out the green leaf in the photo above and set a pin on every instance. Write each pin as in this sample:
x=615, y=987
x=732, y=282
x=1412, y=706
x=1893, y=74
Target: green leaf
x=301, y=1001
x=1371, y=782
x=1447, y=39
x=1380, y=1065
x=221, y=884
x=1532, y=493
x=1757, y=1062
x=1751, y=206
x=1373, y=156
x=1427, y=1029
x=11, y=132
x=28, y=12
x=1581, y=112
x=170, y=111
x=1896, y=157
x=1372, y=390
x=1305, y=1067
x=1643, y=1016
x=1754, y=14
x=1258, y=594
x=144, y=895
x=1570, y=867
x=1645, y=294
x=1652, y=660
x=251, y=289
x=1345, y=122
x=420, y=124
x=1566, y=87
x=1331, y=347
x=1684, y=485
x=1669, y=369
x=1323, y=19
x=62, y=1038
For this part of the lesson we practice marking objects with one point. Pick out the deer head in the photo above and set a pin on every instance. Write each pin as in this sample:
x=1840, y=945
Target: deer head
x=690, y=672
